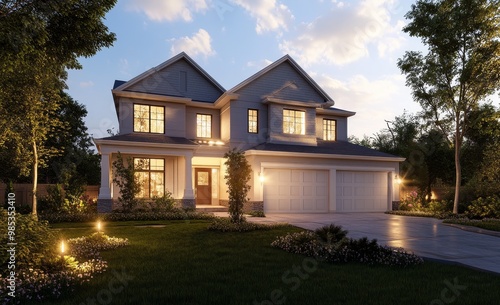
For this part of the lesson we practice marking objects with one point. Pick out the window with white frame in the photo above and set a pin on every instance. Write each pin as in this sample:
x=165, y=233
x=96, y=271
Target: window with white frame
x=149, y=118
x=329, y=130
x=151, y=176
x=203, y=125
x=294, y=121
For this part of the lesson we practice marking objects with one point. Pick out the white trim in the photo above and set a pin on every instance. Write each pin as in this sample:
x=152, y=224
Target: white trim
x=253, y=152
x=114, y=143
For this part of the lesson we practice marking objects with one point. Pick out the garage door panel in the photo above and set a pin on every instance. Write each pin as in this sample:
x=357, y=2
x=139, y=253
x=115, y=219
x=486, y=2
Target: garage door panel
x=361, y=191
x=299, y=190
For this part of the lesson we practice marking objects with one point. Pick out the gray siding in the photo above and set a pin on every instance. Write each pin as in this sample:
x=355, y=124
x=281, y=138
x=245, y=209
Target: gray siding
x=179, y=79
x=282, y=82
x=275, y=119
x=341, y=127
x=239, y=123
x=191, y=121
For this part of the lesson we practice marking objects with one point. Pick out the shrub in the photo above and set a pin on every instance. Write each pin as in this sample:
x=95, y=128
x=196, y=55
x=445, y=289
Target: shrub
x=227, y=225
x=344, y=250
x=331, y=233
x=237, y=177
x=164, y=203
x=175, y=214
x=35, y=241
x=257, y=214
x=54, y=201
x=125, y=179
x=488, y=207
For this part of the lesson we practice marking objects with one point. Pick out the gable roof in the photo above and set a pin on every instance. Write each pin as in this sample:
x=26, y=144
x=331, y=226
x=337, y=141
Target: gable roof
x=165, y=64
x=285, y=59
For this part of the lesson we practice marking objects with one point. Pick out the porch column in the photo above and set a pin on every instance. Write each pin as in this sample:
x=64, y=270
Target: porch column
x=105, y=199
x=188, y=174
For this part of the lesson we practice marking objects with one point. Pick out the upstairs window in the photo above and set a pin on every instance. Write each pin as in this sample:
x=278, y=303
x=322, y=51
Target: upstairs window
x=149, y=118
x=203, y=125
x=253, y=118
x=329, y=130
x=151, y=176
x=294, y=122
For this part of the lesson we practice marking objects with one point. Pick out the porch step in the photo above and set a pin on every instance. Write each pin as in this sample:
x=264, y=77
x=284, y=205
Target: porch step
x=211, y=208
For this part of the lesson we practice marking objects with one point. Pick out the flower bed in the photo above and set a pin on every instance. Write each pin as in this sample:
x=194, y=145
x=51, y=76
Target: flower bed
x=344, y=250
x=64, y=272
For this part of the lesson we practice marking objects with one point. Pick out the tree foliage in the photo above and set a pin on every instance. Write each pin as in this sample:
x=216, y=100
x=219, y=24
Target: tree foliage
x=40, y=39
x=237, y=177
x=461, y=67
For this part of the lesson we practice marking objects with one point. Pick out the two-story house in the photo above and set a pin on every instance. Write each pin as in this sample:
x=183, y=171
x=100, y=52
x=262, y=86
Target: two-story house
x=176, y=122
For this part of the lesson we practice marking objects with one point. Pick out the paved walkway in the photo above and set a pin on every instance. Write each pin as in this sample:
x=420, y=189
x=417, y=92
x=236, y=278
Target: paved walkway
x=427, y=237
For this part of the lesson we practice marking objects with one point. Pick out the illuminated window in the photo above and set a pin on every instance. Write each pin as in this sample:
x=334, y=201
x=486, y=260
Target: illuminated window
x=151, y=176
x=149, y=118
x=329, y=130
x=203, y=125
x=253, y=124
x=294, y=121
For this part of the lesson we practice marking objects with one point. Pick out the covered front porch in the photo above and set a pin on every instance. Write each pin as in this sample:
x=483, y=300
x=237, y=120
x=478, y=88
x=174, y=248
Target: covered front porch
x=191, y=173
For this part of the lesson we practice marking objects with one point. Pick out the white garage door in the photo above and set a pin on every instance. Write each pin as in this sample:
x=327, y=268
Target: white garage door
x=295, y=191
x=361, y=191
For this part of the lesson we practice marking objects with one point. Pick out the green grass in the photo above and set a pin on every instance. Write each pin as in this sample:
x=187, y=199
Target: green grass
x=183, y=263
x=488, y=224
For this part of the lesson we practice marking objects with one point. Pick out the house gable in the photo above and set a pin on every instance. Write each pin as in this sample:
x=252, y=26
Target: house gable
x=179, y=76
x=285, y=80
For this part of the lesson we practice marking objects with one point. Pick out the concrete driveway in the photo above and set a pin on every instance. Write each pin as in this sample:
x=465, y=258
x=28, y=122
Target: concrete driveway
x=427, y=237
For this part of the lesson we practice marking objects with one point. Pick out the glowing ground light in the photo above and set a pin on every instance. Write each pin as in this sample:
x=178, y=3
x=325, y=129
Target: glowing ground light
x=99, y=226
x=63, y=247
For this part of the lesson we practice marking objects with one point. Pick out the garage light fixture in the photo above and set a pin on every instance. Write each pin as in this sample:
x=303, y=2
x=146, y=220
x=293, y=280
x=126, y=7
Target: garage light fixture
x=261, y=177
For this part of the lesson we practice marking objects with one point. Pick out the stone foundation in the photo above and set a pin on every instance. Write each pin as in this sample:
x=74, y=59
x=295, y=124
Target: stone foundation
x=186, y=203
x=104, y=205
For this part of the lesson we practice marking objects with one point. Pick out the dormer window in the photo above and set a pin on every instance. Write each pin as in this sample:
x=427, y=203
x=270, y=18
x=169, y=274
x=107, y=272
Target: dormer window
x=294, y=122
x=203, y=125
x=329, y=130
x=149, y=118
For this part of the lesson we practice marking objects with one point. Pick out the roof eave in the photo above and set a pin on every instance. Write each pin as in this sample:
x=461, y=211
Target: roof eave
x=255, y=152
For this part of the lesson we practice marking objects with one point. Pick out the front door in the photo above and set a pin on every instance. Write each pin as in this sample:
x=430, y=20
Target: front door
x=203, y=184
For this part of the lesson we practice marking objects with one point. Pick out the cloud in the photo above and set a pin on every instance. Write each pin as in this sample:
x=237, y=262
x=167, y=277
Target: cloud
x=260, y=64
x=344, y=34
x=169, y=10
x=270, y=15
x=87, y=84
x=374, y=101
x=199, y=43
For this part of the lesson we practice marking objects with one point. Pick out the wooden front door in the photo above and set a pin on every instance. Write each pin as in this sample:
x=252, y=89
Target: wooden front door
x=203, y=185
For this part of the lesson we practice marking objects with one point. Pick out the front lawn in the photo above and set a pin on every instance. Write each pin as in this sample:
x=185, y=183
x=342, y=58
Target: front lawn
x=181, y=262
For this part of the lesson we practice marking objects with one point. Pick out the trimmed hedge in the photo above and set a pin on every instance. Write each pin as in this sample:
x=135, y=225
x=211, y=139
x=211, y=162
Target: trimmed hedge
x=132, y=216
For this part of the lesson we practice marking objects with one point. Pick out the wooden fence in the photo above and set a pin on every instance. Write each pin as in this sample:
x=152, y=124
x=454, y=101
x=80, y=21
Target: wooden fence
x=24, y=192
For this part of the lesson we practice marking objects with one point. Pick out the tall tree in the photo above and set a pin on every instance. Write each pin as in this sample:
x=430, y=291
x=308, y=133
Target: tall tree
x=461, y=67
x=78, y=164
x=40, y=40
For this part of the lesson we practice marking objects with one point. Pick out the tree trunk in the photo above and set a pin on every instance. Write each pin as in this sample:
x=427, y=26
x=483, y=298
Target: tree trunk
x=458, y=172
x=35, y=178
